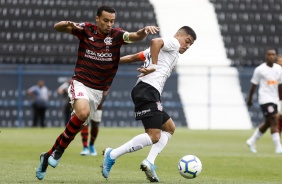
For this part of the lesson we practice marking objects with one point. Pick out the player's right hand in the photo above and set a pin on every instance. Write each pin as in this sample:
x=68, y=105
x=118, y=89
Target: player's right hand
x=145, y=71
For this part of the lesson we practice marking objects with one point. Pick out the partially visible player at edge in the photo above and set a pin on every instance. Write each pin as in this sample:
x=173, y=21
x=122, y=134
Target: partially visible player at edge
x=96, y=67
x=279, y=62
x=268, y=76
x=161, y=58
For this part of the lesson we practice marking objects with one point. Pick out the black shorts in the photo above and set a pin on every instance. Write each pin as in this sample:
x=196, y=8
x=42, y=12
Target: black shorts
x=269, y=109
x=155, y=121
x=148, y=107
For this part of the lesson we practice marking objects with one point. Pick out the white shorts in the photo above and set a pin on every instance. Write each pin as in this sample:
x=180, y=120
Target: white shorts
x=78, y=90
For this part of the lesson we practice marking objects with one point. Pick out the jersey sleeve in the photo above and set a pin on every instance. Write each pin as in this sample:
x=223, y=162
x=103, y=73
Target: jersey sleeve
x=170, y=44
x=256, y=77
x=78, y=33
x=144, y=55
x=120, y=35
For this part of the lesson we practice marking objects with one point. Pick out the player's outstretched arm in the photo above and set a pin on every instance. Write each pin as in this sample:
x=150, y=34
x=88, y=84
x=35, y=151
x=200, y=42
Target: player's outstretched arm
x=132, y=58
x=66, y=26
x=155, y=47
x=141, y=33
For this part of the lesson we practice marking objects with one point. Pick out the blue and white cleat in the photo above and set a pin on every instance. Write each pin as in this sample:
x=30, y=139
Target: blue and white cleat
x=251, y=146
x=55, y=157
x=92, y=150
x=41, y=170
x=107, y=163
x=150, y=170
x=84, y=152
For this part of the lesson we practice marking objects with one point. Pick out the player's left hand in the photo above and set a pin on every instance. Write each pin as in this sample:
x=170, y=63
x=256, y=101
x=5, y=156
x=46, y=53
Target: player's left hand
x=145, y=71
x=151, y=29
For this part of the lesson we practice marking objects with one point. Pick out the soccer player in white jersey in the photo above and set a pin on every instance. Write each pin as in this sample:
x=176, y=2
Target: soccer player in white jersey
x=161, y=58
x=268, y=77
x=279, y=62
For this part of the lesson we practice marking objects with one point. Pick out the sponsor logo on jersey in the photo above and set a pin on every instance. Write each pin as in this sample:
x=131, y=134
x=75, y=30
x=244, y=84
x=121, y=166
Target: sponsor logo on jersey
x=272, y=82
x=101, y=56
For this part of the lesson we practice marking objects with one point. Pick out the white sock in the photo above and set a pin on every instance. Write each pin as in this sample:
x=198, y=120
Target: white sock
x=136, y=143
x=158, y=147
x=256, y=135
x=276, y=139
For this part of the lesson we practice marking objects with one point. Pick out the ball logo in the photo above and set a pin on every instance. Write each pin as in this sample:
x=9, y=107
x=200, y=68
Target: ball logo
x=108, y=40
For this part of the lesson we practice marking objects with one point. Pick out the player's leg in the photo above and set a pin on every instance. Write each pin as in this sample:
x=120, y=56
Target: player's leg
x=42, y=116
x=280, y=124
x=35, y=115
x=280, y=118
x=147, y=165
x=94, y=130
x=138, y=142
x=259, y=131
x=82, y=110
x=95, y=121
x=168, y=128
x=53, y=156
x=84, y=137
x=273, y=119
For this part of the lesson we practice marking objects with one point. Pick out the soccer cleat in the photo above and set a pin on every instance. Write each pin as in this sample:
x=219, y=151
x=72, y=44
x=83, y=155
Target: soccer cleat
x=278, y=150
x=150, y=170
x=107, y=163
x=251, y=146
x=55, y=157
x=41, y=170
x=84, y=152
x=92, y=150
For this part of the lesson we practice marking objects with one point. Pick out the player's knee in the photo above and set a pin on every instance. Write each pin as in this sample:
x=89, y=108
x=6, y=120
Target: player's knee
x=155, y=137
x=82, y=115
x=171, y=130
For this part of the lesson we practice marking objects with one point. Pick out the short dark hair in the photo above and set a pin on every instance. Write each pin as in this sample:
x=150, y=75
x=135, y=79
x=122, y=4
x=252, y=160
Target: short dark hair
x=189, y=31
x=105, y=8
x=270, y=48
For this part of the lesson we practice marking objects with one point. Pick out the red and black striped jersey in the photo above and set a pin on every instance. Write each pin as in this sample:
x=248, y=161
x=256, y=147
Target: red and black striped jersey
x=98, y=56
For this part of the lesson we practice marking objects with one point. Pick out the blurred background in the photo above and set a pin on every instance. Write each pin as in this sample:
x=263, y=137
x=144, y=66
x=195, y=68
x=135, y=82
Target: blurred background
x=207, y=89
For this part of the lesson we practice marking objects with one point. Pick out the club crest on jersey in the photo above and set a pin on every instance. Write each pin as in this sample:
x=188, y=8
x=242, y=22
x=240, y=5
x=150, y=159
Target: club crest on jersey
x=108, y=40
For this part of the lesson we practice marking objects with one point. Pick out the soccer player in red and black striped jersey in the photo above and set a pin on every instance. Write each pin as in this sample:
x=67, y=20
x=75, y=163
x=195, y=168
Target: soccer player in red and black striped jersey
x=96, y=67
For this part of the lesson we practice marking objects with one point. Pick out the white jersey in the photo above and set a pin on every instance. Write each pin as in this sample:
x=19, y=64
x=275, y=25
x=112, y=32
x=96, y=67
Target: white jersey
x=268, y=79
x=167, y=60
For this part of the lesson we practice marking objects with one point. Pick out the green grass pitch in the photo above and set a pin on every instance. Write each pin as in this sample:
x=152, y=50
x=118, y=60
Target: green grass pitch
x=224, y=155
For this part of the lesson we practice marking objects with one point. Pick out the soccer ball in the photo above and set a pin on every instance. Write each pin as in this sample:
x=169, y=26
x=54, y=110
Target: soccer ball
x=189, y=166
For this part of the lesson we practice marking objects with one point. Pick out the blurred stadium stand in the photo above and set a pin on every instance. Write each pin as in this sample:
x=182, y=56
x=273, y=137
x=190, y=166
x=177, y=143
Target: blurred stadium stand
x=248, y=27
x=27, y=34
